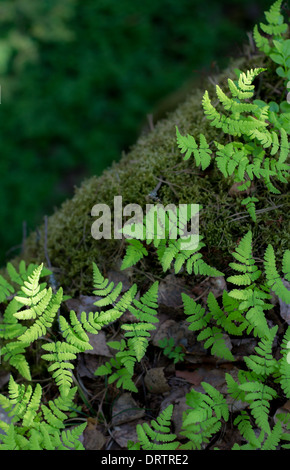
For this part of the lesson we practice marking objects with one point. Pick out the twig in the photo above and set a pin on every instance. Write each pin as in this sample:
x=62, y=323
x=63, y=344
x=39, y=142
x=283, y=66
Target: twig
x=150, y=122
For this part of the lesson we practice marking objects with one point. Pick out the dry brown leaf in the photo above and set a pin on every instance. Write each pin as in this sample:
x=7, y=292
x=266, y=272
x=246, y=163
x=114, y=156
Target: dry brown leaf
x=170, y=290
x=155, y=381
x=93, y=438
x=191, y=377
x=126, y=409
x=126, y=432
x=84, y=303
x=99, y=344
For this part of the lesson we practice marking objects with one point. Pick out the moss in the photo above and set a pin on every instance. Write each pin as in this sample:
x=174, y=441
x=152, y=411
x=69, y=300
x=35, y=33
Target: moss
x=155, y=157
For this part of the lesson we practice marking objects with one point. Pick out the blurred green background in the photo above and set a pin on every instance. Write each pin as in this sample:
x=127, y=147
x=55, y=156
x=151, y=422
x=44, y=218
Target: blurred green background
x=78, y=78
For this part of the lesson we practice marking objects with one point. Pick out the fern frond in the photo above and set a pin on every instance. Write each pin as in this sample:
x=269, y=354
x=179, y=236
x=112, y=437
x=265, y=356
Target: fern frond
x=188, y=145
x=157, y=435
x=259, y=396
x=60, y=354
x=134, y=253
x=74, y=333
x=283, y=373
x=203, y=417
x=195, y=313
x=273, y=279
x=263, y=363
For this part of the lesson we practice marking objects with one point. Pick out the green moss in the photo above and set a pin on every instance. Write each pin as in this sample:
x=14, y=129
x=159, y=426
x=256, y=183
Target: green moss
x=156, y=156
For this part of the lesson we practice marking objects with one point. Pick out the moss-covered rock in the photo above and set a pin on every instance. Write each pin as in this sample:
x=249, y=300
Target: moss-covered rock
x=156, y=157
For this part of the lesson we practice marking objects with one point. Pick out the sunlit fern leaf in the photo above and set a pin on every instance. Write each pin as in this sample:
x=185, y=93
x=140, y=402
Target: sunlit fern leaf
x=6, y=289
x=261, y=41
x=46, y=310
x=228, y=316
x=134, y=253
x=9, y=326
x=60, y=354
x=243, y=422
x=71, y=438
x=274, y=438
x=120, y=368
x=74, y=333
x=14, y=353
x=104, y=288
x=286, y=265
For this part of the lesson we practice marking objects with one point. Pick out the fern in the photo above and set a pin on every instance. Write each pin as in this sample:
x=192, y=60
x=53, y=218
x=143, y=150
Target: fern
x=36, y=426
x=273, y=278
x=120, y=369
x=283, y=372
x=246, y=160
x=178, y=251
x=171, y=350
x=42, y=307
x=157, y=436
x=203, y=418
x=144, y=311
x=263, y=364
x=259, y=396
x=189, y=146
x=252, y=297
x=271, y=442
x=137, y=335
x=209, y=323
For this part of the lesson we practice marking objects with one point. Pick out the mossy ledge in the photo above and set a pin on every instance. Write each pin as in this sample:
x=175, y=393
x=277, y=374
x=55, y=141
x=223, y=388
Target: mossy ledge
x=69, y=244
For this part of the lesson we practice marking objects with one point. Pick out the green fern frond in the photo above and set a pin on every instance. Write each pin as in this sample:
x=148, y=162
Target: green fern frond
x=249, y=202
x=201, y=153
x=195, y=313
x=74, y=333
x=273, y=279
x=259, y=396
x=46, y=311
x=214, y=338
x=262, y=363
x=283, y=373
x=157, y=435
x=243, y=422
x=14, y=353
x=134, y=253
x=60, y=354
x=203, y=417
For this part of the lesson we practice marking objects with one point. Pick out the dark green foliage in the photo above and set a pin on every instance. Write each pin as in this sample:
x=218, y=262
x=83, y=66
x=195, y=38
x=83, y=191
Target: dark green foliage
x=74, y=73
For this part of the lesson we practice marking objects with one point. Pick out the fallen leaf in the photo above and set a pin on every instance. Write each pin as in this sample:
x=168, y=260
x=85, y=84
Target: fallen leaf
x=99, y=344
x=118, y=276
x=126, y=432
x=191, y=377
x=84, y=303
x=126, y=409
x=155, y=381
x=234, y=190
x=170, y=290
x=93, y=438
x=87, y=365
